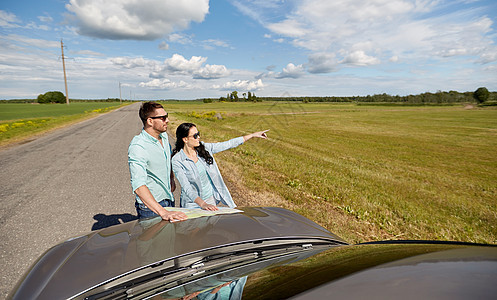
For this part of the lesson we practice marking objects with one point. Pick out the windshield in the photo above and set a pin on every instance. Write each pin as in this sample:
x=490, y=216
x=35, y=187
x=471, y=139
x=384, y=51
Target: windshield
x=218, y=270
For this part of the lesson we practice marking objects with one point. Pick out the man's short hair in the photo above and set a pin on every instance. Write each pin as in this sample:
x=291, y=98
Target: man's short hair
x=147, y=109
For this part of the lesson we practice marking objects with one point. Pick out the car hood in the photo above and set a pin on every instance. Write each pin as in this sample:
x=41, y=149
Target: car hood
x=139, y=253
x=412, y=269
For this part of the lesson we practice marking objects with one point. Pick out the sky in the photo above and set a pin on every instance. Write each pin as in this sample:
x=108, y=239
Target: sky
x=192, y=49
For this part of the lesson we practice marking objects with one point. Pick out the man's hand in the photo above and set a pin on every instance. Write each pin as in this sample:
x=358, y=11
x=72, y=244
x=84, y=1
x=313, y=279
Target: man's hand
x=173, y=216
x=146, y=196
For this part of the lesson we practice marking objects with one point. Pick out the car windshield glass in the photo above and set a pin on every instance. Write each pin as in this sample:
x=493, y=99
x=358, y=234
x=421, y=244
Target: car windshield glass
x=221, y=270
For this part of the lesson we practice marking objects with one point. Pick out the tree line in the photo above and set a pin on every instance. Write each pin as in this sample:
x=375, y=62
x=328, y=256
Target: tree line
x=481, y=95
x=234, y=97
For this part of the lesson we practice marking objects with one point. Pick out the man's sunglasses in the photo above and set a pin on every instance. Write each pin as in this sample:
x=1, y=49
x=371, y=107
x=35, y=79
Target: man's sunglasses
x=196, y=135
x=163, y=118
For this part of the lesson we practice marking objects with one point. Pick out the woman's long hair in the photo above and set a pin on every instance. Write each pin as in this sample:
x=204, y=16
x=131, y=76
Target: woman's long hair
x=183, y=131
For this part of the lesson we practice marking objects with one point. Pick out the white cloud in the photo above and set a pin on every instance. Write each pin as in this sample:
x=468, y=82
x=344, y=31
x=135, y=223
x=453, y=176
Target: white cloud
x=165, y=84
x=130, y=63
x=217, y=43
x=289, y=28
x=364, y=33
x=163, y=46
x=39, y=43
x=322, y=63
x=271, y=68
x=241, y=85
x=33, y=25
x=262, y=75
x=178, y=64
x=492, y=68
x=488, y=56
x=394, y=59
x=247, y=7
x=213, y=43
x=135, y=20
x=8, y=20
x=211, y=72
x=46, y=18
x=87, y=53
x=452, y=52
x=359, y=58
x=180, y=38
x=291, y=71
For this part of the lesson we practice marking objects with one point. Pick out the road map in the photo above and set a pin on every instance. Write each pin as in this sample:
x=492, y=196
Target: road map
x=193, y=213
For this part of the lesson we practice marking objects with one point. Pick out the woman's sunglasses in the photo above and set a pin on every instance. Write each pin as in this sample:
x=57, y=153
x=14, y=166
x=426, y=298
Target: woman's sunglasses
x=196, y=135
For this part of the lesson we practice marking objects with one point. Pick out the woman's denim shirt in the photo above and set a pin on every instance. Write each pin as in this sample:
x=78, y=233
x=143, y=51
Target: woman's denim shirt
x=187, y=174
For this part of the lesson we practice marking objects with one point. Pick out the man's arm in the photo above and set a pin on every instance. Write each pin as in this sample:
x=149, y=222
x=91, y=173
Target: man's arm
x=148, y=199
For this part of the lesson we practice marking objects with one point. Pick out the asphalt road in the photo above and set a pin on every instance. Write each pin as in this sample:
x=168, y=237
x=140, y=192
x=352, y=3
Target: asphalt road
x=63, y=185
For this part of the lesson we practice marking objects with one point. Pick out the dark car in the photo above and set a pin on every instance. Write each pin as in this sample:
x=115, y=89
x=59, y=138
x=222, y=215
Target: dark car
x=266, y=253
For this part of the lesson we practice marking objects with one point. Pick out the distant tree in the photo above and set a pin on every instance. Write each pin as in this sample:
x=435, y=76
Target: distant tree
x=254, y=98
x=234, y=95
x=481, y=94
x=52, y=97
x=249, y=97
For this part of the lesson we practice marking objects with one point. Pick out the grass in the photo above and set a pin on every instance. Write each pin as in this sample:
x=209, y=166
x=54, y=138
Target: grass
x=19, y=120
x=363, y=172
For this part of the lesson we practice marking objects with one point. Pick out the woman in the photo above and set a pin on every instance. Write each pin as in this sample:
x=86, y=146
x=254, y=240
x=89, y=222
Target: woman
x=202, y=185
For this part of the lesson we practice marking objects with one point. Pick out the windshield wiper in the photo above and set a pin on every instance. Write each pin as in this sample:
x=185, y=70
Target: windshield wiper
x=167, y=275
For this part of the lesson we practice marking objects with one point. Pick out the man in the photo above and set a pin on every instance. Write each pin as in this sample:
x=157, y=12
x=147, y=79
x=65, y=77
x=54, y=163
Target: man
x=149, y=159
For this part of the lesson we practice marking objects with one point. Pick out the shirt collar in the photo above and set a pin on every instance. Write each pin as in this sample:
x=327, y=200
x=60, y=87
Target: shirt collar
x=153, y=139
x=183, y=156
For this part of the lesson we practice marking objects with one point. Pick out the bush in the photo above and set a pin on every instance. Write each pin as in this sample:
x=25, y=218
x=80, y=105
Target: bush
x=481, y=94
x=52, y=97
x=211, y=115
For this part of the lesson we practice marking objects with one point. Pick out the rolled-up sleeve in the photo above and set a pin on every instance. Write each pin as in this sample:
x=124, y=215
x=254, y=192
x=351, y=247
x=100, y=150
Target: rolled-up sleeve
x=214, y=148
x=137, y=166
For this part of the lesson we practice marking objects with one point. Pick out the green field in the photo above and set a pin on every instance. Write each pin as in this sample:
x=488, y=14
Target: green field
x=363, y=172
x=22, y=120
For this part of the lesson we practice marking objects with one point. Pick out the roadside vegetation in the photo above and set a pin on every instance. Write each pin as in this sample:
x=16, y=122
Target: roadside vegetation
x=19, y=121
x=363, y=172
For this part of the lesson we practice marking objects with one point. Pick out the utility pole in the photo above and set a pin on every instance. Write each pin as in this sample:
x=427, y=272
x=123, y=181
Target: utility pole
x=120, y=98
x=64, y=68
